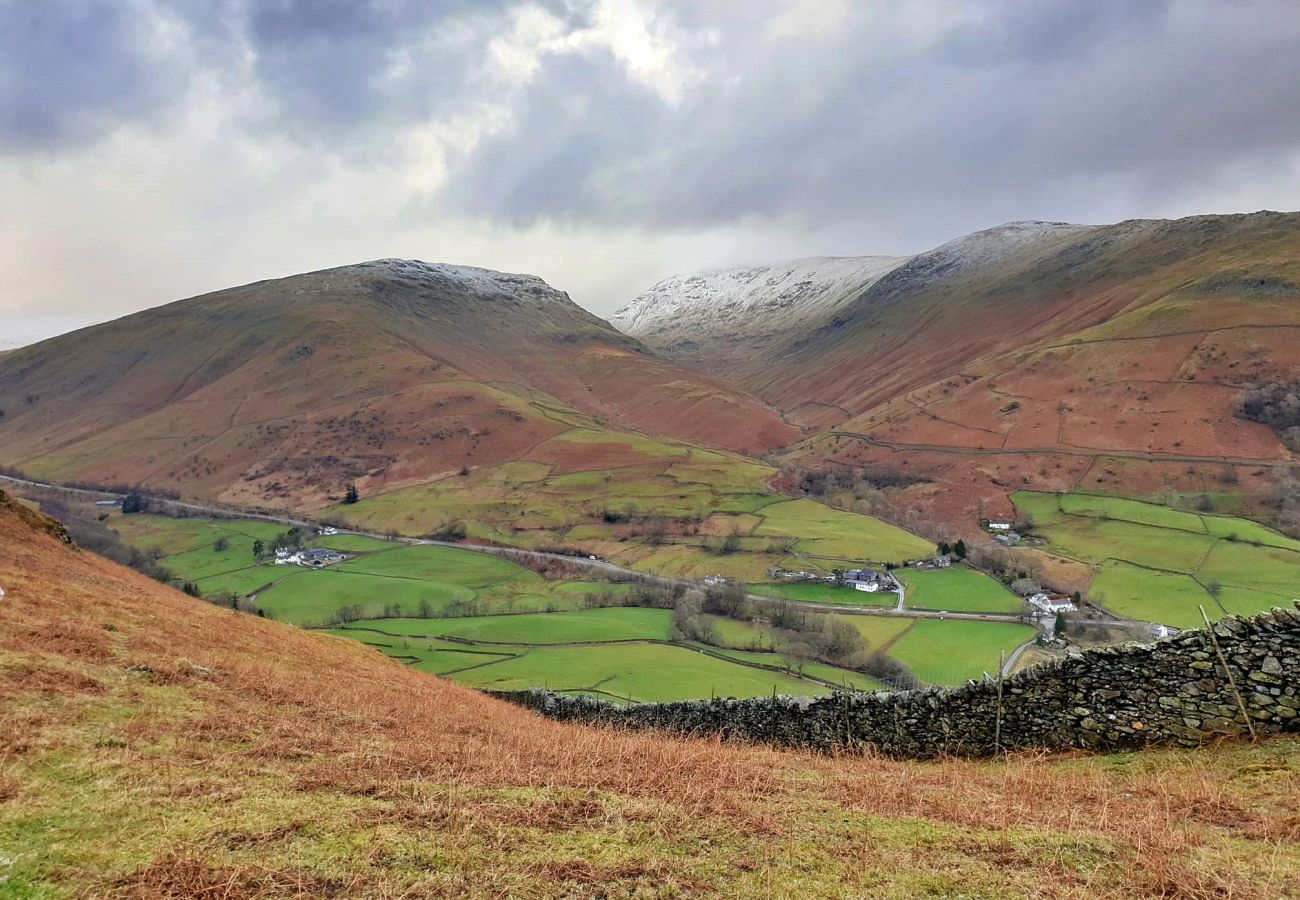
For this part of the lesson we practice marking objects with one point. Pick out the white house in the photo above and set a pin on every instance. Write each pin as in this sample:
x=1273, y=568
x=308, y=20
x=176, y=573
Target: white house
x=1047, y=603
x=999, y=526
x=867, y=580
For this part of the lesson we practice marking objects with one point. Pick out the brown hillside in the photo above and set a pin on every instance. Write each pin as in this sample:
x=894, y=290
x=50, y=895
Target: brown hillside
x=1112, y=358
x=155, y=746
x=388, y=373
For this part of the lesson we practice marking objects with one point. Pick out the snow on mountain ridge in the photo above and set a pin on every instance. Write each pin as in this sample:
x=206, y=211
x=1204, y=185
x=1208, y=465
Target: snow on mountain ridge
x=989, y=244
x=484, y=282
x=753, y=297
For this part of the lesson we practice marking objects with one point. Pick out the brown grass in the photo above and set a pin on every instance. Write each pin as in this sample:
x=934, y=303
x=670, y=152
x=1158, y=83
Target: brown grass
x=286, y=763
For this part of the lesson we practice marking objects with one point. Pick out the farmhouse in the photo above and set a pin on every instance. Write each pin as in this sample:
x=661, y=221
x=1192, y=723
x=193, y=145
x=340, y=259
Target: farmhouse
x=868, y=580
x=1007, y=537
x=1050, y=603
x=999, y=526
x=942, y=561
x=320, y=557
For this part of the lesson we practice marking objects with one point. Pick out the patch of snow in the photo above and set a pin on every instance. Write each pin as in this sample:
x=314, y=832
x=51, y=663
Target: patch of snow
x=755, y=297
x=468, y=279
x=992, y=244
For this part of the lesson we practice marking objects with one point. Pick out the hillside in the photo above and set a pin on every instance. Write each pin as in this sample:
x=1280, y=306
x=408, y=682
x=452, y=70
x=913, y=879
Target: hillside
x=1108, y=359
x=386, y=373
x=152, y=745
x=720, y=320
x=1034, y=355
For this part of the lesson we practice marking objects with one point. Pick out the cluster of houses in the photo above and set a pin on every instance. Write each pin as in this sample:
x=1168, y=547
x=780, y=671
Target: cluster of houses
x=1003, y=533
x=869, y=580
x=316, y=558
x=1050, y=603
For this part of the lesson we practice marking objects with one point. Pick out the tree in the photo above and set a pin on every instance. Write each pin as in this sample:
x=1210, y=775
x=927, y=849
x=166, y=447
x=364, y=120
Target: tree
x=959, y=548
x=943, y=548
x=222, y=544
x=258, y=548
x=133, y=503
x=1025, y=587
x=351, y=496
x=1214, y=588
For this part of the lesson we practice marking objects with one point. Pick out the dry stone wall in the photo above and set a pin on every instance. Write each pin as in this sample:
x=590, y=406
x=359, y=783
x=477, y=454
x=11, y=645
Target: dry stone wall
x=1242, y=677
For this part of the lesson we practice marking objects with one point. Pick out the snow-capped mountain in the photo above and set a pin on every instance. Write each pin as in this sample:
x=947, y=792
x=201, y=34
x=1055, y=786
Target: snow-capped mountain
x=485, y=284
x=685, y=312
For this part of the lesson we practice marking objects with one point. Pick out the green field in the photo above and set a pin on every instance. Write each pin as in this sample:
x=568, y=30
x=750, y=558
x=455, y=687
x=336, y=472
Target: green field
x=644, y=672
x=835, y=534
x=811, y=592
x=957, y=589
x=951, y=651
x=879, y=630
x=589, y=625
x=1171, y=598
x=486, y=621
x=1158, y=564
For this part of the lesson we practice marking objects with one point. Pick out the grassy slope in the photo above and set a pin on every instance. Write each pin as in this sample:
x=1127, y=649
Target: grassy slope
x=957, y=589
x=127, y=769
x=1159, y=564
x=949, y=652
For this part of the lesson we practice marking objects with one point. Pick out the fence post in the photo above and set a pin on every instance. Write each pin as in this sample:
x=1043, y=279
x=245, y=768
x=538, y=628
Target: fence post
x=997, y=728
x=1232, y=682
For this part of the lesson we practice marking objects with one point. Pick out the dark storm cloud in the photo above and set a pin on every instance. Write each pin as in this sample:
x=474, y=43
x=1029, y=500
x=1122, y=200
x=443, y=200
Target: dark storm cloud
x=73, y=69
x=763, y=111
x=337, y=64
x=1019, y=110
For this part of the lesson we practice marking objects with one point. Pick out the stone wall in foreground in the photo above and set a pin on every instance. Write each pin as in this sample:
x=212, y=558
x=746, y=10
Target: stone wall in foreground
x=1176, y=691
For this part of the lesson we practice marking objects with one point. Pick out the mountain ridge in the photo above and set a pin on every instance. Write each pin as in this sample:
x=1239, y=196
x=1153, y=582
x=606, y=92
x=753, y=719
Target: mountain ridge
x=382, y=372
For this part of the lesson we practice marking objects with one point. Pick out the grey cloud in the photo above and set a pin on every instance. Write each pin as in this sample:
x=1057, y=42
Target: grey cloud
x=75, y=69
x=1018, y=112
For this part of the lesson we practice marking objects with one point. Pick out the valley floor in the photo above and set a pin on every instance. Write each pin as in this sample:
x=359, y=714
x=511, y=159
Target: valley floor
x=154, y=745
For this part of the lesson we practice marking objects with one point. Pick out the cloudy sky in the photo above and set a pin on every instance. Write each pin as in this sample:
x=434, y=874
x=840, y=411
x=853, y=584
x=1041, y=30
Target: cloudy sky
x=155, y=149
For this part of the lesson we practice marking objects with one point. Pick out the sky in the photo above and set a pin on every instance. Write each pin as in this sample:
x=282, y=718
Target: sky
x=156, y=149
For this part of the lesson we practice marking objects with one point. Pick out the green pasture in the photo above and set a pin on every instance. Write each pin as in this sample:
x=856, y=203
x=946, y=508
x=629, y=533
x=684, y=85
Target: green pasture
x=956, y=589
x=354, y=543
x=429, y=563
x=951, y=651
x=879, y=630
x=813, y=592
x=1158, y=564
x=242, y=582
x=1171, y=598
x=434, y=657
x=312, y=596
x=578, y=626
x=836, y=534
x=645, y=672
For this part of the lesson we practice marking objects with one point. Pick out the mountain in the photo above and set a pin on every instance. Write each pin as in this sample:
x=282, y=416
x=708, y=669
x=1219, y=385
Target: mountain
x=717, y=320
x=159, y=746
x=1112, y=358
x=1022, y=355
x=387, y=373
